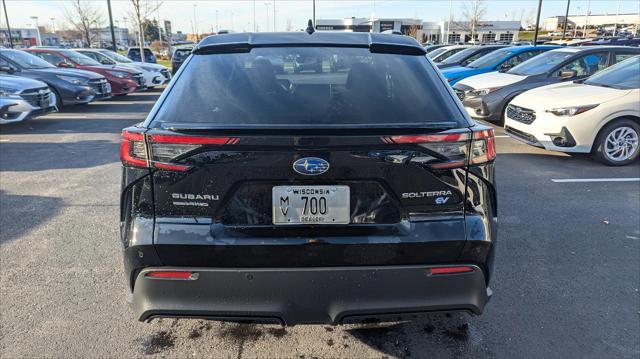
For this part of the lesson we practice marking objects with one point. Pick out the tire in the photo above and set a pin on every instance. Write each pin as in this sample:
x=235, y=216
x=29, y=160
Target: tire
x=58, y=98
x=614, y=139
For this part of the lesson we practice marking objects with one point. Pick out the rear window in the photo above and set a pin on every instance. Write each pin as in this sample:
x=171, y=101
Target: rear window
x=308, y=87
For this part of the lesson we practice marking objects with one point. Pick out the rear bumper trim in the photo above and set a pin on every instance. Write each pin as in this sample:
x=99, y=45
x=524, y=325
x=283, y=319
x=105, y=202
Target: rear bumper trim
x=316, y=295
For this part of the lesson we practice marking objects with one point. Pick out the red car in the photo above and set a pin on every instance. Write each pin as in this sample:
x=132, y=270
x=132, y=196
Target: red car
x=122, y=80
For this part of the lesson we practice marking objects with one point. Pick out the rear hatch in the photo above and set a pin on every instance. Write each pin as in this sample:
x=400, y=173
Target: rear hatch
x=307, y=169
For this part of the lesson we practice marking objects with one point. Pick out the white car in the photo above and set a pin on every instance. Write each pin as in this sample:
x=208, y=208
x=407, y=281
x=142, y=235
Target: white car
x=600, y=115
x=154, y=74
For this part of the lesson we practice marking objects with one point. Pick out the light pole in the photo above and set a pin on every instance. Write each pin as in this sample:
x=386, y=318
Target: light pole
x=195, y=23
x=217, y=28
x=6, y=17
x=254, y=16
x=274, y=15
x=38, y=39
x=586, y=20
x=113, y=35
x=566, y=15
x=53, y=25
x=575, y=30
x=449, y=22
x=535, y=34
x=267, y=4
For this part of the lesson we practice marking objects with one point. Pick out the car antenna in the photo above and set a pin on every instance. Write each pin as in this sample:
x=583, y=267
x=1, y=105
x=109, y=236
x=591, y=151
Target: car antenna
x=310, y=29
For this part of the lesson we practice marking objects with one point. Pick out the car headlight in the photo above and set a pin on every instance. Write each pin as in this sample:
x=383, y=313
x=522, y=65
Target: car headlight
x=571, y=111
x=74, y=80
x=484, y=92
x=119, y=74
x=9, y=92
x=451, y=79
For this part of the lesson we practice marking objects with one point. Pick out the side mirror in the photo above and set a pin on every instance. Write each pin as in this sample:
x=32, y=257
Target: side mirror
x=6, y=68
x=105, y=62
x=567, y=74
x=64, y=64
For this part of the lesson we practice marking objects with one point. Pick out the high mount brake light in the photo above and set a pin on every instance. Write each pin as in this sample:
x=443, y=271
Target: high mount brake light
x=453, y=146
x=164, y=149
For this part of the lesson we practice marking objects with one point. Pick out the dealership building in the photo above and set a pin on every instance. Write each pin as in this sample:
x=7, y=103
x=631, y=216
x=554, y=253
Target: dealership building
x=436, y=32
x=555, y=22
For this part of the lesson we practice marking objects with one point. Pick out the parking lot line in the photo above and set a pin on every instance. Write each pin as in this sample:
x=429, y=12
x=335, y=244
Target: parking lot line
x=579, y=180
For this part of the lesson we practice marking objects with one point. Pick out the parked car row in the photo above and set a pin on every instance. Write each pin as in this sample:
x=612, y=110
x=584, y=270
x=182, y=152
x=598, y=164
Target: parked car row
x=40, y=80
x=547, y=97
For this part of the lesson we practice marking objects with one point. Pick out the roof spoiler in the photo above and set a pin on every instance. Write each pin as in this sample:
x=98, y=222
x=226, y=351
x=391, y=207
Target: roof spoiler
x=243, y=47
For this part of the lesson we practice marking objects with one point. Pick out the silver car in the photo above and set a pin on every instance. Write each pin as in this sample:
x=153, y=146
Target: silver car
x=23, y=98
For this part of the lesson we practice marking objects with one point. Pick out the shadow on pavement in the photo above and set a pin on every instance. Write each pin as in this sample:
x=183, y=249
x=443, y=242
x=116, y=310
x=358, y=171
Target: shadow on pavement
x=42, y=156
x=21, y=214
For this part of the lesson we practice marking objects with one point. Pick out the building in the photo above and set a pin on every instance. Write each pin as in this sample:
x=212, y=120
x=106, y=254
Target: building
x=22, y=37
x=103, y=36
x=555, y=22
x=434, y=32
x=485, y=31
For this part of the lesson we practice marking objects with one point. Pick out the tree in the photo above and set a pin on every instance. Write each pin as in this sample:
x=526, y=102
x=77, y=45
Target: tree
x=473, y=11
x=150, y=29
x=142, y=10
x=82, y=16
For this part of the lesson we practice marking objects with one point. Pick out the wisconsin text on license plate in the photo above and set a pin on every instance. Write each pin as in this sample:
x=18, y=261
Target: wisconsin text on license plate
x=310, y=204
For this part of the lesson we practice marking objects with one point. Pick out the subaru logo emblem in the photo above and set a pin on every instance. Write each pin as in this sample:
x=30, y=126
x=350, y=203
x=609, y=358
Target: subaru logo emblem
x=311, y=166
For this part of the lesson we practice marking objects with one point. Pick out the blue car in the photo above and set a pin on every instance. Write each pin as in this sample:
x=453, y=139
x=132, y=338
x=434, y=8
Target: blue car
x=134, y=55
x=500, y=60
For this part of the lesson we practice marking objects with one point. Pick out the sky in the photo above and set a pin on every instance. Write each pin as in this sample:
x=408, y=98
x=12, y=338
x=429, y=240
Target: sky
x=210, y=15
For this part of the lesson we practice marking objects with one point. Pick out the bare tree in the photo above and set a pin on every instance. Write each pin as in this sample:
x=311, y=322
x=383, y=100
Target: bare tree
x=473, y=11
x=141, y=11
x=82, y=16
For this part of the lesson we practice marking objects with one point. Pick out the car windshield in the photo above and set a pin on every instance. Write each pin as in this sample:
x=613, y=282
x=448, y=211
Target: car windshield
x=460, y=56
x=491, y=59
x=447, y=53
x=541, y=63
x=271, y=87
x=103, y=59
x=25, y=60
x=78, y=58
x=116, y=57
x=436, y=52
x=624, y=75
x=181, y=54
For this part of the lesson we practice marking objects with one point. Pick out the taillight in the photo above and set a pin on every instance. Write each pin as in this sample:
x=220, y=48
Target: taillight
x=132, y=149
x=453, y=149
x=483, y=147
x=164, y=150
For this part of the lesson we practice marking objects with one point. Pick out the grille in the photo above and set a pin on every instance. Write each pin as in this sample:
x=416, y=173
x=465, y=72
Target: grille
x=138, y=79
x=460, y=94
x=99, y=85
x=37, y=97
x=521, y=114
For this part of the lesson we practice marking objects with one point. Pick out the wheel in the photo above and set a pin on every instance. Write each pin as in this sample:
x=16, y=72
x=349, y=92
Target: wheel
x=617, y=143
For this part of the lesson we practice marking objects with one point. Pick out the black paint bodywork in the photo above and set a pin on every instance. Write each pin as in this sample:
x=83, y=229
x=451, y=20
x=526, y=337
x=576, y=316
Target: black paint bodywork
x=234, y=232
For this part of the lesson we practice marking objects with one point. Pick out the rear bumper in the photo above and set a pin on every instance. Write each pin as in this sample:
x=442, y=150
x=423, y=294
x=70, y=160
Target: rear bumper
x=327, y=295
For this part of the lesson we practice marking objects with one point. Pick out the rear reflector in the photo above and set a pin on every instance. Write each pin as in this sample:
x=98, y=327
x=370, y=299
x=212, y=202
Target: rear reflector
x=452, y=137
x=450, y=270
x=172, y=275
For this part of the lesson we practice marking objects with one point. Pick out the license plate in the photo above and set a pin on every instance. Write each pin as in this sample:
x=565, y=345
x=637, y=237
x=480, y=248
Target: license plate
x=310, y=205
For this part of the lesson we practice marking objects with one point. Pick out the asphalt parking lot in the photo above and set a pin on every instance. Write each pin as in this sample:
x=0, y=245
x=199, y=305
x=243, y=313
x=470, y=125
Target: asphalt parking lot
x=566, y=283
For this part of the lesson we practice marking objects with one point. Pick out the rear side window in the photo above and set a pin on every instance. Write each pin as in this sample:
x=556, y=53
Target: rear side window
x=181, y=54
x=308, y=87
x=588, y=64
